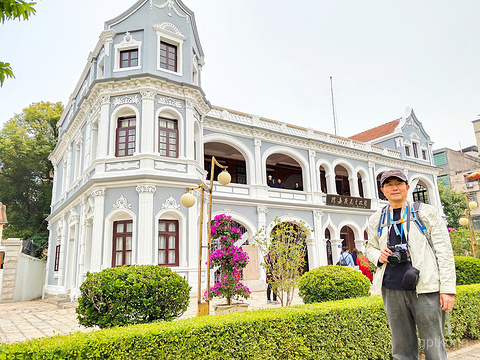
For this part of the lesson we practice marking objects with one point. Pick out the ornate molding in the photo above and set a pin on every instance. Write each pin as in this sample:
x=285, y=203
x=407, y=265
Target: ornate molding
x=123, y=166
x=262, y=209
x=127, y=99
x=170, y=203
x=146, y=189
x=105, y=100
x=122, y=203
x=150, y=95
x=98, y=192
x=164, y=101
x=171, y=6
x=319, y=214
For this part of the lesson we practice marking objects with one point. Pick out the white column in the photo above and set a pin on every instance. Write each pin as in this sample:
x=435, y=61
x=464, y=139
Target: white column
x=258, y=176
x=262, y=222
x=353, y=182
x=81, y=246
x=55, y=182
x=145, y=238
x=146, y=145
x=189, y=130
x=103, y=126
x=319, y=248
x=336, y=249
x=373, y=179
x=313, y=171
x=97, y=231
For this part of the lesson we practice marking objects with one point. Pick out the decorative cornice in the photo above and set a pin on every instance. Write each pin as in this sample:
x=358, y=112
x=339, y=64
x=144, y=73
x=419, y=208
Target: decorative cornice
x=319, y=214
x=122, y=203
x=146, y=189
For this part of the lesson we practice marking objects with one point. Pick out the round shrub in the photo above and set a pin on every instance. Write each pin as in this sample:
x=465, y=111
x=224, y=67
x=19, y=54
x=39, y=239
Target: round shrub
x=332, y=283
x=130, y=295
x=467, y=269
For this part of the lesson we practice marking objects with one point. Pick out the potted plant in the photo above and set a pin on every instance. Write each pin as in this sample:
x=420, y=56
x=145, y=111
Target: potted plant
x=230, y=259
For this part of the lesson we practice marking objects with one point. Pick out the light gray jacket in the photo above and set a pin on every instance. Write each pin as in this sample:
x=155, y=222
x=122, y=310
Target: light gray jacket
x=433, y=278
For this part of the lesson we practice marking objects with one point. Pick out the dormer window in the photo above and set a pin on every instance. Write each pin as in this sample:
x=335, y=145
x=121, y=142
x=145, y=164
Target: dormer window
x=169, y=48
x=128, y=58
x=415, y=149
x=407, y=150
x=424, y=155
x=128, y=54
x=168, y=56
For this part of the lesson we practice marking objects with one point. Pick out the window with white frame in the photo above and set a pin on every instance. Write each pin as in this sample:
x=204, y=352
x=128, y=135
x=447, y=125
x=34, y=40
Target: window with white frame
x=169, y=48
x=126, y=136
x=122, y=243
x=128, y=54
x=415, y=149
x=407, y=150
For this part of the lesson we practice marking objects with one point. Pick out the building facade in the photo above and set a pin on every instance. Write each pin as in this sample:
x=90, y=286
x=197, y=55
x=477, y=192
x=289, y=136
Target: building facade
x=138, y=129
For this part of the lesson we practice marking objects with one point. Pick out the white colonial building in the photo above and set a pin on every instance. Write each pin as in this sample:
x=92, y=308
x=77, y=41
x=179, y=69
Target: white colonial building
x=138, y=130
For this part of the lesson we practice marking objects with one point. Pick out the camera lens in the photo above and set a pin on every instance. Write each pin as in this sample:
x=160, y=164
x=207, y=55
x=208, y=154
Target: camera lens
x=395, y=257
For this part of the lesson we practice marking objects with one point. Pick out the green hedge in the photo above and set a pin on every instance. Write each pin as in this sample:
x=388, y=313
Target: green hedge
x=332, y=282
x=467, y=269
x=346, y=329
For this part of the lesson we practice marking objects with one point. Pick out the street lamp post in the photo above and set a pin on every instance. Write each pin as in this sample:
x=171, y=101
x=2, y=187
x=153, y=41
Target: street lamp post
x=188, y=200
x=467, y=221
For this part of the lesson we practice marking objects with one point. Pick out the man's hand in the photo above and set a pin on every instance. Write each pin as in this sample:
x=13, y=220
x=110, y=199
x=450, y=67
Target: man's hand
x=447, y=301
x=384, y=255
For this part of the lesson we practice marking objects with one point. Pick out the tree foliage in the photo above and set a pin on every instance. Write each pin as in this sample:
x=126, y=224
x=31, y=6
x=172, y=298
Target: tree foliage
x=26, y=141
x=453, y=205
x=284, y=250
x=9, y=10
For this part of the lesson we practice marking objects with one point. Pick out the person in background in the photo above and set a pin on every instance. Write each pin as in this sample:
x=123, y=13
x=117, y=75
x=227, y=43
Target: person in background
x=270, y=181
x=280, y=184
x=268, y=262
x=364, y=266
x=354, y=255
x=298, y=187
x=345, y=254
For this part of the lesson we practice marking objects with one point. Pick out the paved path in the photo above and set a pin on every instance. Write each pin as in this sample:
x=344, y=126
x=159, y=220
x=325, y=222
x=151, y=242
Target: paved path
x=33, y=319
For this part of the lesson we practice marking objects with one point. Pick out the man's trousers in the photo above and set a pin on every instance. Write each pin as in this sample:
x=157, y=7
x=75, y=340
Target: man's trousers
x=405, y=309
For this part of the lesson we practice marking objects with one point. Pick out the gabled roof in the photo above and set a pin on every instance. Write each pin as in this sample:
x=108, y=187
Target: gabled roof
x=376, y=132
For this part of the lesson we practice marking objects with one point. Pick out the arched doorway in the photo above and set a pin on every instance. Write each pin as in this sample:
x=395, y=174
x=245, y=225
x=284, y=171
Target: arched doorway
x=348, y=237
x=300, y=237
x=380, y=193
x=420, y=193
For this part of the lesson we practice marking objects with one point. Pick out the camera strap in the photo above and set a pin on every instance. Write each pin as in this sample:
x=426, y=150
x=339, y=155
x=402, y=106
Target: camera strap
x=404, y=219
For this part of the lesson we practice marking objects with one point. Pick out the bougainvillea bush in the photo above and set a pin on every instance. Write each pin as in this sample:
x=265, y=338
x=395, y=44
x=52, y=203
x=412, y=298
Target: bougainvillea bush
x=230, y=258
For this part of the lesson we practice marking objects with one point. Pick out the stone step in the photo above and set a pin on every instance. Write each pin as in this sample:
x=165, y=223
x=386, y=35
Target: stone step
x=59, y=300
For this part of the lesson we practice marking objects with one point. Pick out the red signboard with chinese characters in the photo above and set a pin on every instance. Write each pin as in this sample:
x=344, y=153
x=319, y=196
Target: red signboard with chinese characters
x=348, y=201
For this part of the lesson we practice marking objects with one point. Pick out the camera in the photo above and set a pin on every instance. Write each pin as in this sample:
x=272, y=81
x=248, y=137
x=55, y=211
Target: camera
x=399, y=254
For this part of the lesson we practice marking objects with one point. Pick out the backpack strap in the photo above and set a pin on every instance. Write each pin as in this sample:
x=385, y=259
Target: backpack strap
x=381, y=221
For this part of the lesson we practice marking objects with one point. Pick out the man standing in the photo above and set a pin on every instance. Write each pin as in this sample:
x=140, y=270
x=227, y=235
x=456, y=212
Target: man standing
x=345, y=255
x=280, y=184
x=416, y=274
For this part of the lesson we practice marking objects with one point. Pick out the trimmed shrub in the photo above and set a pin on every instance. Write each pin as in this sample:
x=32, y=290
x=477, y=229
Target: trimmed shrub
x=332, y=283
x=467, y=269
x=352, y=329
x=129, y=295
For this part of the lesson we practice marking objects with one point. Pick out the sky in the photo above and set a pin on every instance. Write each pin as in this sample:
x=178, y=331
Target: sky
x=274, y=58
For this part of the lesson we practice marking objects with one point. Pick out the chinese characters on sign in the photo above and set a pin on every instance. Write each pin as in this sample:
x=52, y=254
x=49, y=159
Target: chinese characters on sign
x=348, y=201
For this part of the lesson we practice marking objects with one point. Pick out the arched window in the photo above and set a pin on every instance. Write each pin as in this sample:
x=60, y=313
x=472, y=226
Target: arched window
x=360, y=185
x=341, y=181
x=168, y=137
x=122, y=243
x=126, y=136
x=228, y=156
x=323, y=180
x=168, y=242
